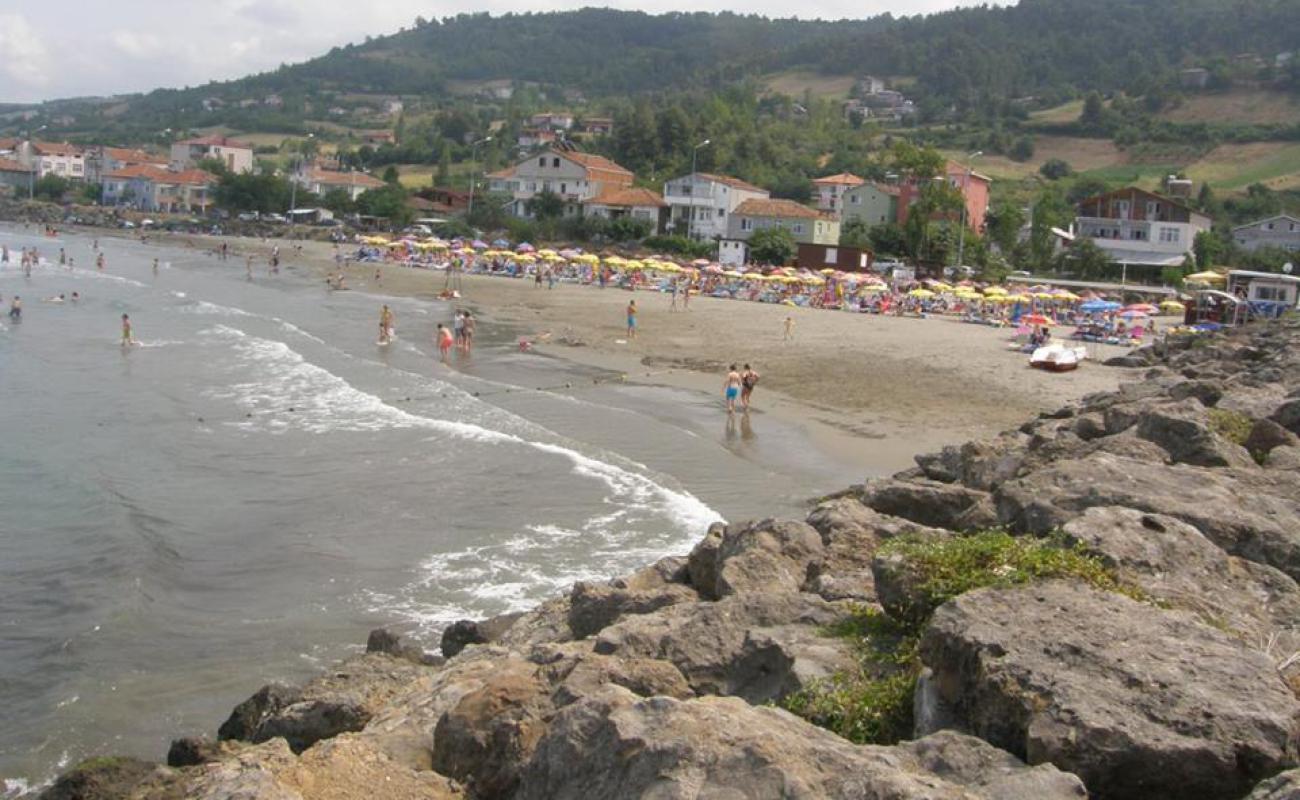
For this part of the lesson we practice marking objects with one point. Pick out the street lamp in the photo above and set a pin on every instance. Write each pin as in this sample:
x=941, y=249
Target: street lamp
x=961, y=235
x=695, y=153
x=473, y=158
x=31, y=176
x=293, y=185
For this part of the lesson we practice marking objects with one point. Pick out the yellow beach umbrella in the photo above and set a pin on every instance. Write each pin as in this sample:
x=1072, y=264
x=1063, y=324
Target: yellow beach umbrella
x=921, y=293
x=1173, y=307
x=995, y=290
x=1209, y=276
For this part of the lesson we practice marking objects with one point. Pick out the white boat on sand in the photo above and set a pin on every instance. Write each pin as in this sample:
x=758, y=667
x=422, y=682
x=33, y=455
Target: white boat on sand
x=1058, y=357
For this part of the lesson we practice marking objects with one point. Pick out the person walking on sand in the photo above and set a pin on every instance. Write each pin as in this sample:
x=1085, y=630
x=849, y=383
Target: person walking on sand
x=789, y=330
x=674, y=288
x=128, y=335
x=686, y=296
x=444, y=341
x=631, y=319
x=748, y=380
x=731, y=388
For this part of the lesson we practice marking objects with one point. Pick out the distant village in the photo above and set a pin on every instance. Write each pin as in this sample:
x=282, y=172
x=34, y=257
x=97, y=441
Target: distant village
x=1133, y=226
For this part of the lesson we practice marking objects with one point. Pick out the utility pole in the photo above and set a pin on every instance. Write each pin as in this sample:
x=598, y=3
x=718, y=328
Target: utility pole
x=961, y=235
x=473, y=159
x=690, y=223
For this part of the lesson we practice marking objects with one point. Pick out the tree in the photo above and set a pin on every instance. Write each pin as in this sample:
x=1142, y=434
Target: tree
x=249, y=192
x=338, y=201
x=391, y=176
x=855, y=233
x=388, y=202
x=629, y=229
x=1208, y=248
x=545, y=205
x=1023, y=149
x=51, y=187
x=443, y=176
x=773, y=246
x=1003, y=224
x=1050, y=210
x=212, y=166
x=490, y=211
x=887, y=239
x=90, y=193
x=1094, y=112
x=1086, y=260
x=1054, y=169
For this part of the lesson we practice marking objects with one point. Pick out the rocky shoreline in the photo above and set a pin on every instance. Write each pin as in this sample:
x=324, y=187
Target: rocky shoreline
x=1144, y=641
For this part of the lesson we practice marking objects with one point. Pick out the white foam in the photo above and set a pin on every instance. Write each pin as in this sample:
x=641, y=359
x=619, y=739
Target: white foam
x=213, y=309
x=508, y=575
x=158, y=342
x=15, y=787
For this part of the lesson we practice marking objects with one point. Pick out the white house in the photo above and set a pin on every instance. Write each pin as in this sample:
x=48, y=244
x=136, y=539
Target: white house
x=806, y=225
x=831, y=189
x=1140, y=228
x=573, y=176
x=320, y=181
x=1271, y=286
x=53, y=158
x=237, y=156
x=701, y=204
x=636, y=203
x=1282, y=231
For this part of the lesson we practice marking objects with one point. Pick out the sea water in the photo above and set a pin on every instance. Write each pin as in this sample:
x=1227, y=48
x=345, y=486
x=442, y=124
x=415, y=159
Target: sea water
x=243, y=494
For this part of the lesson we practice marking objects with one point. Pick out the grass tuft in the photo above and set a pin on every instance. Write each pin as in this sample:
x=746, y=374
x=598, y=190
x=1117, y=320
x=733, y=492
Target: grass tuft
x=1231, y=425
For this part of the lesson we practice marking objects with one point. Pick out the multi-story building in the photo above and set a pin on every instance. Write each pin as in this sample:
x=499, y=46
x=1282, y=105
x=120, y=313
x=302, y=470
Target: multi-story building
x=700, y=204
x=571, y=175
x=973, y=186
x=831, y=189
x=870, y=203
x=806, y=225
x=633, y=202
x=101, y=160
x=18, y=177
x=237, y=156
x=53, y=158
x=318, y=180
x=150, y=188
x=552, y=120
x=1140, y=228
x=1282, y=231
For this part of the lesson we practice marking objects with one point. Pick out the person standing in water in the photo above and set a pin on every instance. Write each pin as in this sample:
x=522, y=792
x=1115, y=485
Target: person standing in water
x=468, y=333
x=128, y=336
x=631, y=319
x=99, y=261
x=731, y=388
x=155, y=266
x=248, y=267
x=748, y=380
x=444, y=341
x=385, y=325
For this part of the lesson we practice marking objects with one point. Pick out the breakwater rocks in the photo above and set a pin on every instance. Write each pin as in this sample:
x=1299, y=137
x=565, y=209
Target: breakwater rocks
x=1101, y=603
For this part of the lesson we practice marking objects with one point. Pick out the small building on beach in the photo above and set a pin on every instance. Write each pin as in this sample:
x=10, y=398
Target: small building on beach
x=806, y=225
x=17, y=177
x=630, y=202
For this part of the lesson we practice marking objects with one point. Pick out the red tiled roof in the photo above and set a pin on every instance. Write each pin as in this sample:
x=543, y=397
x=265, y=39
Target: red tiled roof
x=154, y=174
x=775, y=208
x=629, y=198
x=842, y=179
x=217, y=141
x=595, y=163
x=508, y=172
x=56, y=148
x=9, y=165
x=953, y=168
x=132, y=171
x=129, y=155
x=193, y=177
x=328, y=177
x=8, y=143
x=735, y=183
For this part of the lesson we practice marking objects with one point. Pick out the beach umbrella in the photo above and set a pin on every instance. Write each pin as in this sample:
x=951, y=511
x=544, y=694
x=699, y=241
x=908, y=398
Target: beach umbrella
x=1098, y=306
x=921, y=293
x=478, y=244
x=995, y=290
x=1209, y=276
x=731, y=273
x=1037, y=319
x=700, y=262
x=500, y=243
x=1142, y=308
x=712, y=269
x=525, y=258
x=525, y=248
x=828, y=271
x=1132, y=315
x=546, y=252
x=570, y=253
x=1172, y=307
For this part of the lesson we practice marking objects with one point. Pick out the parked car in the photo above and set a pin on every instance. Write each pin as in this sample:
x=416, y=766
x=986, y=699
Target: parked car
x=273, y=218
x=248, y=216
x=419, y=230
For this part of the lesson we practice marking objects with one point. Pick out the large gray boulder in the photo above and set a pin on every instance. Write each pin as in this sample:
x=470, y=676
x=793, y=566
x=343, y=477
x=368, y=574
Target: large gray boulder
x=756, y=646
x=616, y=746
x=1248, y=513
x=1285, y=786
x=1139, y=702
x=766, y=556
x=929, y=503
x=851, y=533
x=1182, y=429
x=593, y=607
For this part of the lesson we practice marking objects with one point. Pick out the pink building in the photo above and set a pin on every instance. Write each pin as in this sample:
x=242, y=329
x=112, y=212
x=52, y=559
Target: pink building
x=973, y=186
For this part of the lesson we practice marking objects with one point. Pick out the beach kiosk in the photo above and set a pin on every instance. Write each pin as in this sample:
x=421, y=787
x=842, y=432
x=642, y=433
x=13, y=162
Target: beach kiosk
x=1268, y=293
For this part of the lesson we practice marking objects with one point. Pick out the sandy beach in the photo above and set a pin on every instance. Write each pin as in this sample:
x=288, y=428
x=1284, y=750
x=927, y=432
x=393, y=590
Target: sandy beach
x=872, y=390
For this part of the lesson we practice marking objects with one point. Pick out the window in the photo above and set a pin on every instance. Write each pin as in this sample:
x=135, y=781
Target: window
x=722, y=212
x=1121, y=208
x=564, y=188
x=1277, y=293
x=1170, y=235
x=1152, y=209
x=853, y=199
x=797, y=227
x=1269, y=226
x=541, y=162
x=746, y=224
x=555, y=162
x=832, y=255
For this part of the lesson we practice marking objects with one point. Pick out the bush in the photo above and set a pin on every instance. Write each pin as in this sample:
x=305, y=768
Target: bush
x=1231, y=425
x=872, y=704
x=682, y=246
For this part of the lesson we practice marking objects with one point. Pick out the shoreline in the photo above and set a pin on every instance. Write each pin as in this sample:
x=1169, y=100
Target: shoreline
x=870, y=391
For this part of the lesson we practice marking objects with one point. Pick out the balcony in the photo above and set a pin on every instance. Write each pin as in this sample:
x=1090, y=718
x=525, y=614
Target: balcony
x=1135, y=235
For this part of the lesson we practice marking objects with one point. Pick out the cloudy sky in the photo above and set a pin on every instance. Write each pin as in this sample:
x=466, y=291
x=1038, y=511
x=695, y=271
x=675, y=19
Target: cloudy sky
x=64, y=48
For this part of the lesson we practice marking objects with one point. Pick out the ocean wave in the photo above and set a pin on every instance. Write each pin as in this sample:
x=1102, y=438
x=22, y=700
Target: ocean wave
x=213, y=309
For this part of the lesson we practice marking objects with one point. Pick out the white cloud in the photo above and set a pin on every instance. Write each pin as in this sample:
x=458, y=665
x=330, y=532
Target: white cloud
x=137, y=45
x=24, y=59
